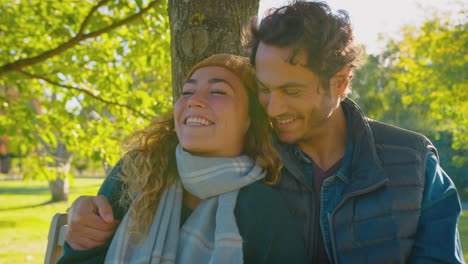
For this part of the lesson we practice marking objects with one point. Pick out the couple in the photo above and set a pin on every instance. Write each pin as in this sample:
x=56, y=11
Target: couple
x=356, y=190
x=192, y=181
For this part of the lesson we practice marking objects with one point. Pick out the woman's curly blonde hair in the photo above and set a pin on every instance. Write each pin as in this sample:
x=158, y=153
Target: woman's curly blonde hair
x=149, y=167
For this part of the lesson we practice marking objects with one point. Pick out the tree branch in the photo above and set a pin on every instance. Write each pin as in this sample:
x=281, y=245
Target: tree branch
x=90, y=14
x=87, y=92
x=122, y=22
x=19, y=64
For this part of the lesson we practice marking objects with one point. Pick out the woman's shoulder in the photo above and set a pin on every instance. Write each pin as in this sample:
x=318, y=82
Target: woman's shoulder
x=268, y=229
x=260, y=196
x=260, y=204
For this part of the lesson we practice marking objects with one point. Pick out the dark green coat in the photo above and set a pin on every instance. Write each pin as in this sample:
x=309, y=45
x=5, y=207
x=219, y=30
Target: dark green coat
x=265, y=224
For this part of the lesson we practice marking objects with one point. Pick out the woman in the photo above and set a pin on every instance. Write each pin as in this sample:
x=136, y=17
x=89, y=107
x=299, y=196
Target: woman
x=192, y=181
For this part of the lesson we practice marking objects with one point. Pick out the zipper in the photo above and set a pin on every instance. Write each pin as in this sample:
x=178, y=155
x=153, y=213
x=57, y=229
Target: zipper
x=332, y=240
x=316, y=225
x=324, y=185
x=345, y=198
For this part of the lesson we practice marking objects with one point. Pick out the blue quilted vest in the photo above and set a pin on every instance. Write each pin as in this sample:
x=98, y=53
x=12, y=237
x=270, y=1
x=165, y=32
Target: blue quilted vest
x=377, y=216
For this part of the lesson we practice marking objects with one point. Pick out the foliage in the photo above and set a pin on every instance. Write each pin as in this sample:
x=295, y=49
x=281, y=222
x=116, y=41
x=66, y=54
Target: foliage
x=464, y=197
x=433, y=66
x=463, y=231
x=81, y=73
x=420, y=83
x=373, y=82
x=443, y=141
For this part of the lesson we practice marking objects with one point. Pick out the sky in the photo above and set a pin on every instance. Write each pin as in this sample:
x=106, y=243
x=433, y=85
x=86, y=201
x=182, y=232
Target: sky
x=372, y=17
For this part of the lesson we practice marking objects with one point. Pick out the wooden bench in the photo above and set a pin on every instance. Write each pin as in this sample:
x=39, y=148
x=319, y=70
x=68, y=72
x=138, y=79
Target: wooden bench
x=56, y=239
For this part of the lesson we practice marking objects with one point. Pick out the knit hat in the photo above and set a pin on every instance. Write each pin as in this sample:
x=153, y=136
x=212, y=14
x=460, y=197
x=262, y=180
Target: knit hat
x=238, y=65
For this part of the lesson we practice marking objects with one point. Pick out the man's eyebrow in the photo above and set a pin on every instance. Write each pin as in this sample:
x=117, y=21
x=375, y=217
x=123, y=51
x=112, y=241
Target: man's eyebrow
x=218, y=80
x=291, y=84
x=284, y=86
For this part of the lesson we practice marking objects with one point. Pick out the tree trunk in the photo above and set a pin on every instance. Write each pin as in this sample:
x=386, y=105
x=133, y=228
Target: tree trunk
x=5, y=157
x=59, y=187
x=202, y=28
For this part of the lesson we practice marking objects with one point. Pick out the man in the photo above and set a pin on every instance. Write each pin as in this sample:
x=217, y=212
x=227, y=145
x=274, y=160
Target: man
x=361, y=191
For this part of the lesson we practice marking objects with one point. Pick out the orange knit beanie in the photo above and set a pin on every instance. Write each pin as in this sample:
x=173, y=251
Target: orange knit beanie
x=238, y=65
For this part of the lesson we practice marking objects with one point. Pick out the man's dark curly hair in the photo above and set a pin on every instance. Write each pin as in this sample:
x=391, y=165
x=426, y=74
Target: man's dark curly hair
x=327, y=38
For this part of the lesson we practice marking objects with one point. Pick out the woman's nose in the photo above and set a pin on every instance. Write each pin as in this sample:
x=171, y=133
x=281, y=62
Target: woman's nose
x=197, y=100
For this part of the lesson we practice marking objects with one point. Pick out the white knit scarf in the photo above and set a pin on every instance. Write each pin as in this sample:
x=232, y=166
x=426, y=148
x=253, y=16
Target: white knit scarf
x=210, y=234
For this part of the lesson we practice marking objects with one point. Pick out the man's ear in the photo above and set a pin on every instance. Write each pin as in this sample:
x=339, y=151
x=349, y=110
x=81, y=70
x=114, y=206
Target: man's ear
x=340, y=80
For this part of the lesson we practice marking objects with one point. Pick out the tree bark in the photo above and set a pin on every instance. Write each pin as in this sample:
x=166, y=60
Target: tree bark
x=59, y=188
x=202, y=28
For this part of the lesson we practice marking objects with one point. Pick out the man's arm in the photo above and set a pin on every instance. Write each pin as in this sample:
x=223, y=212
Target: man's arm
x=437, y=239
x=93, y=221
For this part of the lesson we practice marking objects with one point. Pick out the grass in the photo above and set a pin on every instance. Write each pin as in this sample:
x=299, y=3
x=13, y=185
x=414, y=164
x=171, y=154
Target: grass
x=463, y=230
x=25, y=217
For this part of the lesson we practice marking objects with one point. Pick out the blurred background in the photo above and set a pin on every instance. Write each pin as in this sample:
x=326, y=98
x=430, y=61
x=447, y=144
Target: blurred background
x=65, y=111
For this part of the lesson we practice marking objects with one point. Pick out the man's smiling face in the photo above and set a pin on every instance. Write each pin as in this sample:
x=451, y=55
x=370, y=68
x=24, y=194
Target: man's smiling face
x=292, y=95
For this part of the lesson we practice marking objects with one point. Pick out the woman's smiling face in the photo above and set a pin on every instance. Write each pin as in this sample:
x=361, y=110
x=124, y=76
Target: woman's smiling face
x=211, y=116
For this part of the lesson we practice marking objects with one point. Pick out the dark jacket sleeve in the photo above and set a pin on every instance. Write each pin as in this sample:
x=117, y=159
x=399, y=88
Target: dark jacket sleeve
x=437, y=239
x=111, y=188
x=90, y=256
x=268, y=229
